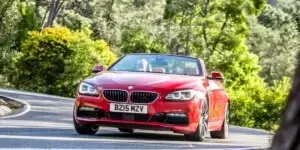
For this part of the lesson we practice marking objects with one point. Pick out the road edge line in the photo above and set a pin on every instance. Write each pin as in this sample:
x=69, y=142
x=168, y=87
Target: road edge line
x=254, y=129
x=15, y=91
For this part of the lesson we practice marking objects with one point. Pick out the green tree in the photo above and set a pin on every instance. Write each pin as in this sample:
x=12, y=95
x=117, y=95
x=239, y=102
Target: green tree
x=8, y=30
x=55, y=60
x=291, y=7
x=6, y=5
x=112, y=17
x=216, y=31
x=136, y=40
x=180, y=13
x=274, y=39
x=28, y=22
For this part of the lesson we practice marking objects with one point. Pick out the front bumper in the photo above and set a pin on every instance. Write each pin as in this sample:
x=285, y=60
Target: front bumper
x=179, y=116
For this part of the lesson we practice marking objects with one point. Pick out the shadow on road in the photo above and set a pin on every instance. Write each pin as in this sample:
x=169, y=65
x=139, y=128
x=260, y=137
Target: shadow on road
x=142, y=136
x=68, y=138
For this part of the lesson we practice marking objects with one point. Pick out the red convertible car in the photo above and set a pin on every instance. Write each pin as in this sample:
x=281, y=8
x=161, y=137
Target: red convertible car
x=155, y=92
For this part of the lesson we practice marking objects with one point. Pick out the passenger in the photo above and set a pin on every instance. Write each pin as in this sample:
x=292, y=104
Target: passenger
x=179, y=68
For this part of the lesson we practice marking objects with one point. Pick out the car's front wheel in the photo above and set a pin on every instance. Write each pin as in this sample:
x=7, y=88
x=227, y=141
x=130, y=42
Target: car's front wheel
x=87, y=129
x=202, y=128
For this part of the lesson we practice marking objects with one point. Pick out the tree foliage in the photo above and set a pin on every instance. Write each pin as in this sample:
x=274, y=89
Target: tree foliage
x=8, y=29
x=275, y=40
x=291, y=7
x=258, y=105
x=54, y=60
x=216, y=31
x=136, y=40
x=28, y=22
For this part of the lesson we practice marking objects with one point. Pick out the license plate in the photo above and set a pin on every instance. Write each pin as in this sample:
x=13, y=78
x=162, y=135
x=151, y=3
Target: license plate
x=128, y=108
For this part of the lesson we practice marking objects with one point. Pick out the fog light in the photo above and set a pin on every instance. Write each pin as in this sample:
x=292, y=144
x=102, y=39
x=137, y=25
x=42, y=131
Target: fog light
x=87, y=109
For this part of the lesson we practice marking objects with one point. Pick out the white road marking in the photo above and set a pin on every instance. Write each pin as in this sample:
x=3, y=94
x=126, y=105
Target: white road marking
x=116, y=140
x=26, y=109
x=130, y=149
x=35, y=124
x=33, y=94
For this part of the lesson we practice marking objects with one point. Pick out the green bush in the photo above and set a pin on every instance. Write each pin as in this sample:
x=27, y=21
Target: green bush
x=54, y=60
x=257, y=105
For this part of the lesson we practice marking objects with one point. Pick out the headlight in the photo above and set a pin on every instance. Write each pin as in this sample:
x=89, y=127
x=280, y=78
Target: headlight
x=181, y=95
x=87, y=89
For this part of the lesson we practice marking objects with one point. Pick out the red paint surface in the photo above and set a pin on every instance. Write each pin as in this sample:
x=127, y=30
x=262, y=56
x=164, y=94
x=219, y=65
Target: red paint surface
x=162, y=84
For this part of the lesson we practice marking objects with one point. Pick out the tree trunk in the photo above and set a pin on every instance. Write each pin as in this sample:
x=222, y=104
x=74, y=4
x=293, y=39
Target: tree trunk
x=54, y=8
x=169, y=37
x=287, y=137
x=187, y=50
x=108, y=16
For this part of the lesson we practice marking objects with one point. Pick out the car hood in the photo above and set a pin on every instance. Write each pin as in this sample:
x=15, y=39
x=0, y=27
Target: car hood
x=146, y=80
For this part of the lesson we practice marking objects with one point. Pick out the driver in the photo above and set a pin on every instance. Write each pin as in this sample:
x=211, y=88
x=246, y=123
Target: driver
x=142, y=65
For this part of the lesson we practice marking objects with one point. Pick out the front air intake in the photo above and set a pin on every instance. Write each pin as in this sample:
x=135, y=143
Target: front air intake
x=143, y=97
x=115, y=95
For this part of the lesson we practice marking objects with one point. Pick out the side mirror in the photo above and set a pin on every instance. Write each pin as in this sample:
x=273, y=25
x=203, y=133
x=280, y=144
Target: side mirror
x=98, y=68
x=217, y=75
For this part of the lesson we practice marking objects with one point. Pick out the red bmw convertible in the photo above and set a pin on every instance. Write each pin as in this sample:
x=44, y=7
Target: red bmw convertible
x=155, y=92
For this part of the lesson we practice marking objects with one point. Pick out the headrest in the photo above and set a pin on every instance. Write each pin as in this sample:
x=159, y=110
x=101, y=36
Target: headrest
x=158, y=70
x=191, y=71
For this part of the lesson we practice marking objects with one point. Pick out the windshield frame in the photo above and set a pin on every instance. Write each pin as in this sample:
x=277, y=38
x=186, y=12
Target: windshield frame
x=199, y=66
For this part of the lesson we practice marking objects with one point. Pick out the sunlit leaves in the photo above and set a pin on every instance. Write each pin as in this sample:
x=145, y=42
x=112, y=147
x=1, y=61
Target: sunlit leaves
x=54, y=60
x=136, y=40
x=258, y=105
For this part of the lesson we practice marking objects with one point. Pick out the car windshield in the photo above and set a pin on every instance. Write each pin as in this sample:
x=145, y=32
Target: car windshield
x=166, y=64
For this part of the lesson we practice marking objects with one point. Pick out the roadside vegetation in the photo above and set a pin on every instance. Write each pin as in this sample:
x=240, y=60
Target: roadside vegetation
x=8, y=106
x=49, y=46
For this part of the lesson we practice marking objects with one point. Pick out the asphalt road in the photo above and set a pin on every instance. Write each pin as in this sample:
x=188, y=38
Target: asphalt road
x=46, y=123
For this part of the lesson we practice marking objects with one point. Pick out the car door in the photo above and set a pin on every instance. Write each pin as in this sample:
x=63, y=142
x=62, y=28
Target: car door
x=216, y=112
x=220, y=102
x=212, y=92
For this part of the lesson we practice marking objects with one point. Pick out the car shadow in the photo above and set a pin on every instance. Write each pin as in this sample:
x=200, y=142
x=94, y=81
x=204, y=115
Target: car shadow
x=143, y=135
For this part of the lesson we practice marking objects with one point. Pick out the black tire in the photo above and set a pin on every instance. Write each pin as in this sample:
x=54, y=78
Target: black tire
x=202, y=129
x=86, y=129
x=126, y=130
x=223, y=133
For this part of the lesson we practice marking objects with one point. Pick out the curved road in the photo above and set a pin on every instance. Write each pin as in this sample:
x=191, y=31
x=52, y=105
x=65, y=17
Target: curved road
x=48, y=124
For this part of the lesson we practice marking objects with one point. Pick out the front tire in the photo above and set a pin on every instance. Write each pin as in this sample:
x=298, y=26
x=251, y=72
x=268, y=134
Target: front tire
x=202, y=128
x=223, y=133
x=86, y=129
